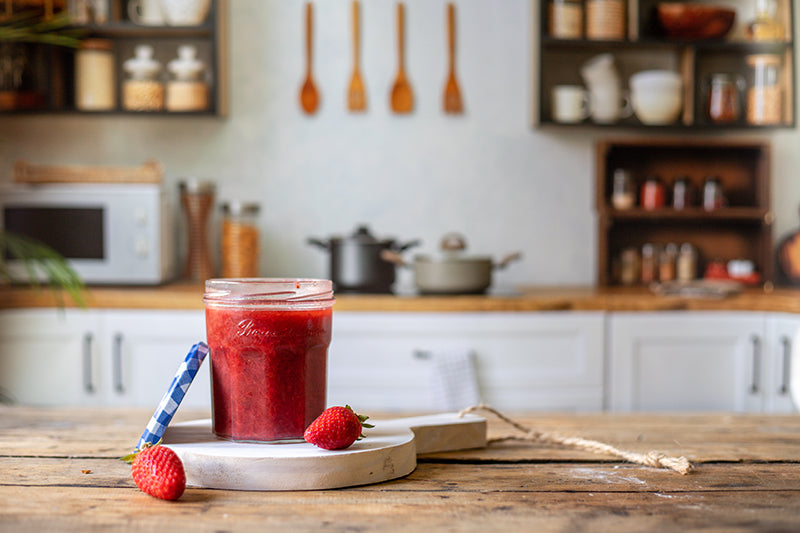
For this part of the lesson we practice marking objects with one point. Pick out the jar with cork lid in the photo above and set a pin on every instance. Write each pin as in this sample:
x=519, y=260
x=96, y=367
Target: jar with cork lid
x=187, y=89
x=142, y=90
x=94, y=76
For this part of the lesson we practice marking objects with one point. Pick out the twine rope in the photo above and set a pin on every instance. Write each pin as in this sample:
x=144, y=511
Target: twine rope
x=652, y=458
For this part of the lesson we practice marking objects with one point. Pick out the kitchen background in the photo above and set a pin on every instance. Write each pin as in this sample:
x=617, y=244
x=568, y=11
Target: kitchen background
x=488, y=173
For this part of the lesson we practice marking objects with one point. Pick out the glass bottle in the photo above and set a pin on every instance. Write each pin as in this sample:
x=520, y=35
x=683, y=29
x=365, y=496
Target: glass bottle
x=239, y=244
x=187, y=90
x=94, y=76
x=142, y=91
x=623, y=195
x=723, y=104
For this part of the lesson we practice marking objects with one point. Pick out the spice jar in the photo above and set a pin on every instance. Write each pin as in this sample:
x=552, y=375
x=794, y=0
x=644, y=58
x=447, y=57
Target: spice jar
x=94, y=76
x=764, y=94
x=653, y=194
x=605, y=19
x=666, y=262
x=765, y=26
x=649, y=263
x=566, y=19
x=142, y=91
x=629, y=271
x=681, y=193
x=686, y=268
x=723, y=103
x=187, y=90
x=239, y=244
x=623, y=195
x=712, y=194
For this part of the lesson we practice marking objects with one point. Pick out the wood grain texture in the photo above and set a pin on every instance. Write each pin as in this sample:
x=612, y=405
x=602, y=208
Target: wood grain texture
x=59, y=470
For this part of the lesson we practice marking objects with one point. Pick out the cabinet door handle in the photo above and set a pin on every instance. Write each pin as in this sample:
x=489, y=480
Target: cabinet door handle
x=787, y=361
x=117, y=363
x=754, y=386
x=88, y=381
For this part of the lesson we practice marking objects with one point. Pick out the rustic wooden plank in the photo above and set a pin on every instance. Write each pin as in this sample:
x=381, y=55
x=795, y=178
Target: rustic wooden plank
x=433, y=477
x=87, y=508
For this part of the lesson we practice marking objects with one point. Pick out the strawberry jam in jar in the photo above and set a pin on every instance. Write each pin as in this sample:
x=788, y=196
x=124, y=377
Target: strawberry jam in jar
x=269, y=346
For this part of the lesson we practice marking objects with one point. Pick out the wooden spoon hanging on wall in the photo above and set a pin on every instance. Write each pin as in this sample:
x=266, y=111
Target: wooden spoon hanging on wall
x=452, y=94
x=309, y=96
x=402, y=97
x=356, y=93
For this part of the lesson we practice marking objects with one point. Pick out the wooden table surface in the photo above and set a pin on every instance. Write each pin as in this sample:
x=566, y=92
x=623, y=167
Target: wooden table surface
x=59, y=471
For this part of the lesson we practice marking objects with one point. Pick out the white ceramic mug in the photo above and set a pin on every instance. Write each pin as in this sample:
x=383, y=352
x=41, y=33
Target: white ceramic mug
x=146, y=12
x=608, y=104
x=570, y=103
x=185, y=12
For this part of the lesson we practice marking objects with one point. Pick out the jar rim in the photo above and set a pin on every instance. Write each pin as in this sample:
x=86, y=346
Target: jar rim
x=287, y=292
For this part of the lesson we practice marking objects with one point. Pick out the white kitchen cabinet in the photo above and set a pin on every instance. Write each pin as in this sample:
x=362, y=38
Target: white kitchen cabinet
x=783, y=334
x=688, y=361
x=522, y=361
x=97, y=356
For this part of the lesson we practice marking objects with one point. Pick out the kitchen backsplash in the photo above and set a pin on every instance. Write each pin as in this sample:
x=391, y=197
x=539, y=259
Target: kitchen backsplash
x=488, y=173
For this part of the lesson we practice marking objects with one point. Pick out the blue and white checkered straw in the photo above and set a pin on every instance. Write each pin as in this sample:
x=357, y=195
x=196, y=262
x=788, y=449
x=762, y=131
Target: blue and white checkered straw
x=172, y=399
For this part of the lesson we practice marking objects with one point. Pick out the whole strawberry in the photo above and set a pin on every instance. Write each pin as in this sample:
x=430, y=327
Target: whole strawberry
x=336, y=428
x=158, y=471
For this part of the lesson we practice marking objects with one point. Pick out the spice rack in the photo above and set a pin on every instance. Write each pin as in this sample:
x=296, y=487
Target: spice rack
x=53, y=76
x=643, y=46
x=740, y=229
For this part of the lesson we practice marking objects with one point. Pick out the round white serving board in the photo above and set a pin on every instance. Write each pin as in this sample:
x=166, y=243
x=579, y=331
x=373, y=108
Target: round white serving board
x=389, y=451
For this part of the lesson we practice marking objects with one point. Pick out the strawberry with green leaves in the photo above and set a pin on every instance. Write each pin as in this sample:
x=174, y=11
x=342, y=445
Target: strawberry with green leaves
x=336, y=428
x=158, y=471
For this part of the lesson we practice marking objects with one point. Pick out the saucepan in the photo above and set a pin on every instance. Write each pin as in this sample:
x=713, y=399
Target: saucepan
x=452, y=271
x=356, y=264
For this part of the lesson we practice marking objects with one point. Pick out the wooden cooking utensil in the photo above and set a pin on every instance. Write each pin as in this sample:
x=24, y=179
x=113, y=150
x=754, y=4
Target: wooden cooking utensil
x=402, y=98
x=356, y=93
x=452, y=94
x=309, y=96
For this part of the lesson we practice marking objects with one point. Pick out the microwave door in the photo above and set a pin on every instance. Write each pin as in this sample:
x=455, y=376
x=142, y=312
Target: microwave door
x=77, y=233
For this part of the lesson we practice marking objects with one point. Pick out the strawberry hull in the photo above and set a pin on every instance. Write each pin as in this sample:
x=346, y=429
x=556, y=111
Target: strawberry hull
x=268, y=370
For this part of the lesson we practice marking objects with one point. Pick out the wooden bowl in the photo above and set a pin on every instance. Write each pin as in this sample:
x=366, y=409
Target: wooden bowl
x=695, y=21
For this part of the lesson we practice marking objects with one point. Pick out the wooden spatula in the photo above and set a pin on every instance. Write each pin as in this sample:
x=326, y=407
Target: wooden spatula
x=309, y=96
x=356, y=93
x=452, y=95
x=402, y=97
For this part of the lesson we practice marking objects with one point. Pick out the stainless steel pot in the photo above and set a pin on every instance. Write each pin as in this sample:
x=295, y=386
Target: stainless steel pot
x=356, y=264
x=452, y=272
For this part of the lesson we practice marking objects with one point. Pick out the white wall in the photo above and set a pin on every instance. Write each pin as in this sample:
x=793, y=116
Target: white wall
x=489, y=174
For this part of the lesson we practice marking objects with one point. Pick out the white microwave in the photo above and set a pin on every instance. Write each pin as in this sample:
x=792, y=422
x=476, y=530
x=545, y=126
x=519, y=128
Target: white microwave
x=116, y=233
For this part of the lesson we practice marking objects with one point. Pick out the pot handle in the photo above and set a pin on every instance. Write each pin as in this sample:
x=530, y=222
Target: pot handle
x=393, y=257
x=513, y=256
x=406, y=246
x=316, y=242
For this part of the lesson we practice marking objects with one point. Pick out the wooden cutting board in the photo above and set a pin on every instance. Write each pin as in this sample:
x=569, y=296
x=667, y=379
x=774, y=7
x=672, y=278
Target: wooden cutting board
x=389, y=451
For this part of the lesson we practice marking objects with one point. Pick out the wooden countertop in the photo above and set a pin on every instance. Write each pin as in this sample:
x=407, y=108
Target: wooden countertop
x=189, y=296
x=59, y=471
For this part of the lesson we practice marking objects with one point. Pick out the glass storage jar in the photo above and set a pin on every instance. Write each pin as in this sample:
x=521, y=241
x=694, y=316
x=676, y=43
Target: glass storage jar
x=566, y=19
x=94, y=76
x=187, y=90
x=142, y=91
x=764, y=93
x=239, y=246
x=605, y=19
x=723, y=103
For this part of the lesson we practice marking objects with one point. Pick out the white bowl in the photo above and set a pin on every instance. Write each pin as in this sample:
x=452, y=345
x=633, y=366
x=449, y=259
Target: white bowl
x=657, y=96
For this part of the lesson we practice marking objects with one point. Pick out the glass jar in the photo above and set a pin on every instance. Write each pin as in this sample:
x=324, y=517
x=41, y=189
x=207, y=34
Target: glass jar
x=723, y=104
x=197, y=199
x=94, y=76
x=666, y=262
x=686, y=264
x=649, y=263
x=142, y=91
x=187, y=90
x=623, y=195
x=713, y=198
x=765, y=26
x=239, y=243
x=653, y=195
x=681, y=193
x=566, y=19
x=629, y=266
x=764, y=94
x=268, y=342
x=605, y=19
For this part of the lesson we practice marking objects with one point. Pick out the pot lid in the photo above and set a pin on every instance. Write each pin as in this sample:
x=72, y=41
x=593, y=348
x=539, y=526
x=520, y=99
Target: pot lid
x=362, y=235
x=452, y=249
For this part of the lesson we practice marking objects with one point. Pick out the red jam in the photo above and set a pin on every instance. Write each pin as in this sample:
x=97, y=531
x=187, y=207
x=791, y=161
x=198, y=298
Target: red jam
x=268, y=368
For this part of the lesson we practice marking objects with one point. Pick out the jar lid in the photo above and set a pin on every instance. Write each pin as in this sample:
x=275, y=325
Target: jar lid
x=186, y=66
x=269, y=292
x=763, y=59
x=97, y=44
x=142, y=65
x=195, y=186
x=237, y=208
